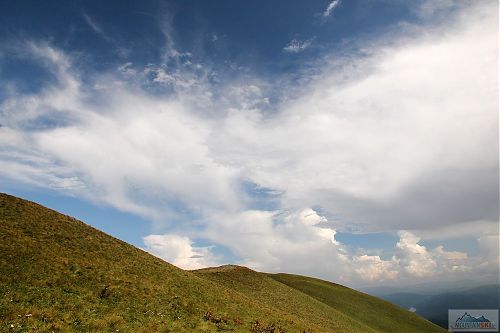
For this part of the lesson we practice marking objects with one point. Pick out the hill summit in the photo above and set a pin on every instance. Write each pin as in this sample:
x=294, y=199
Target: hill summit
x=58, y=274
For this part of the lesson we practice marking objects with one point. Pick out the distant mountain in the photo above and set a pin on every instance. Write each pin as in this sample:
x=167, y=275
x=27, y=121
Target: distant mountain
x=406, y=300
x=435, y=307
x=427, y=288
x=58, y=274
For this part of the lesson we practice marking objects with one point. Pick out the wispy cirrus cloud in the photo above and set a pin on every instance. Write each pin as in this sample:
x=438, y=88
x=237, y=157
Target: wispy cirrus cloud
x=92, y=24
x=331, y=8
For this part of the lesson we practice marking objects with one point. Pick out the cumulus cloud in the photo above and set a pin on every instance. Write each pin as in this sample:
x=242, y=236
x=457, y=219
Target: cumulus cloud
x=411, y=260
x=373, y=268
x=281, y=241
x=298, y=241
x=403, y=138
x=418, y=261
x=180, y=251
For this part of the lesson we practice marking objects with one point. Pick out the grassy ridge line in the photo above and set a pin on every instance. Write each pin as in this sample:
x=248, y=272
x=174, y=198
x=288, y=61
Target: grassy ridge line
x=54, y=269
x=273, y=293
x=379, y=314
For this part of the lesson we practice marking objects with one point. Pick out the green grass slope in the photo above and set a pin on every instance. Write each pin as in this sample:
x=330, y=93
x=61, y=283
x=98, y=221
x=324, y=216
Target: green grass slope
x=336, y=308
x=261, y=287
x=371, y=311
x=54, y=271
x=58, y=274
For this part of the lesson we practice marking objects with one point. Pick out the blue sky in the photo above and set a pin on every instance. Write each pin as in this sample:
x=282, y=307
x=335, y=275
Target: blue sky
x=252, y=34
x=355, y=141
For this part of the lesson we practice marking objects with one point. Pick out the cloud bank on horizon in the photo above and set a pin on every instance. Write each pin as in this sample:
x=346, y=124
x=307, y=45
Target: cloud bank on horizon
x=393, y=132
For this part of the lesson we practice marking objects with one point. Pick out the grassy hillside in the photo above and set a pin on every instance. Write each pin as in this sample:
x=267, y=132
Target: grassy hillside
x=261, y=287
x=54, y=271
x=337, y=308
x=374, y=312
x=58, y=274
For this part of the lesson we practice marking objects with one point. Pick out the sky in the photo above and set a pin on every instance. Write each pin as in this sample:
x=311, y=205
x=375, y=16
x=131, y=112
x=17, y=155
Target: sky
x=352, y=140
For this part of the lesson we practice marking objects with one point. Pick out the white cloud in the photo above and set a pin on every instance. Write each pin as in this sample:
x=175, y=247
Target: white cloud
x=161, y=76
x=280, y=241
x=99, y=31
x=429, y=8
x=411, y=261
x=418, y=261
x=373, y=268
x=180, y=251
x=383, y=145
x=169, y=157
x=302, y=242
x=127, y=69
x=92, y=24
x=297, y=46
x=52, y=101
x=490, y=252
x=331, y=7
